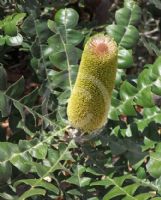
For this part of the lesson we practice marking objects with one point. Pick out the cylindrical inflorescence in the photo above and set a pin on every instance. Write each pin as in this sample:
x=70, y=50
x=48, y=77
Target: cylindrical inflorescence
x=90, y=100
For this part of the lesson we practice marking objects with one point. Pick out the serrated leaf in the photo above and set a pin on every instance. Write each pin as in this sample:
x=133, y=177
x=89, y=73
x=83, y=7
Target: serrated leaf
x=16, y=89
x=6, y=151
x=77, y=178
x=127, y=90
x=22, y=162
x=148, y=101
x=130, y=37
x=29, y=99
x=143, y=79
x=153, y=166
x=124, y=32
x=128, y=16
x=40, y=169
x=125, y=58
x=32, y=192
x=157, y=67
x=127, y=108
x=40, y=151
x=39, y=183
x=114, y=193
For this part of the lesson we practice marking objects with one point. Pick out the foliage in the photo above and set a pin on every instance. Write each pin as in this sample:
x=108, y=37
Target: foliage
x=40, y=49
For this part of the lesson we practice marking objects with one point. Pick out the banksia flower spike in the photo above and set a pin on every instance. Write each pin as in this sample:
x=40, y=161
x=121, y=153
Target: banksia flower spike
x=90, y=100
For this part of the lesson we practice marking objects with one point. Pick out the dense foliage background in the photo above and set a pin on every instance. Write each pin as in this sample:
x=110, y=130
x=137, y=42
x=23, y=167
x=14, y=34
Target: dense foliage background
x=40, y=49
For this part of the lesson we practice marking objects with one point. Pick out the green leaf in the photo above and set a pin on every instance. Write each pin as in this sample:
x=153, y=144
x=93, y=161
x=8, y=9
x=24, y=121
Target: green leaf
x=157, y=3
x=125, y=58
x=15, y=40
x=127, y=108
x=61, y=79
x=52, y=25
x=53, y=155
x=40, y=183
x=157, y=67
x=18, y=17
x=127, y=90
x=156, y=87
x=6, y=151
x=5, y=171
x=30, y=99
x=129, y=3
x=130, y=37
x=2, y=40
x=36, y=49
x=67, y=17
x=4, y=105
x=16, y=89
x=77, y=178
x=153, y=166
x=149, y=115
x=108, y=181
x=118, y=189
x=148, y=101
x=3, y=78
x=39, y=151
x=10, y=23
x=116, y=31
x=28, y=26
x=128, y=16
x=143, y=79
x=64, y=55
x=32, y=192
x=22, y=162
x=59, y=59
x=74, y=37
x=122, y=16
x=10, y=28
x=56, y=43
x=39, y=169
x=20, y=108
x=74, y=192
x=7, y=196
x=124, y=32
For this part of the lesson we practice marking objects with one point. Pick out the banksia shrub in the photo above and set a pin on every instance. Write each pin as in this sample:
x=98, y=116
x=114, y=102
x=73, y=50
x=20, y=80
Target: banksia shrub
x=90, y=100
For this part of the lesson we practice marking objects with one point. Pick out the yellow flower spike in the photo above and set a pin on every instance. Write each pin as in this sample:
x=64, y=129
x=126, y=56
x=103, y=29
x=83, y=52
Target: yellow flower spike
x=90, y=100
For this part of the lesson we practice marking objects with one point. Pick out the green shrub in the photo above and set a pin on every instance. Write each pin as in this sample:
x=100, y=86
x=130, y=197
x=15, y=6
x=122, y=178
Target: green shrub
x=41, y=156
